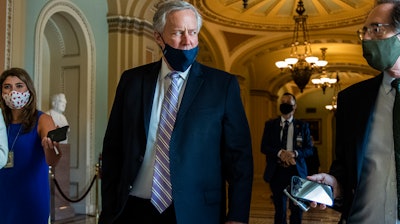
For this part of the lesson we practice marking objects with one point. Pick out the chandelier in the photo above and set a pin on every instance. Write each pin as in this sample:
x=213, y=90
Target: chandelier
x=301, y=62
x=336, y=90
x=244, y=3
x=324, y=81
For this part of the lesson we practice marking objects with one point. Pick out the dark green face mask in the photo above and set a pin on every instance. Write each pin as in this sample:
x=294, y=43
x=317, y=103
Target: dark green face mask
x=381, y=54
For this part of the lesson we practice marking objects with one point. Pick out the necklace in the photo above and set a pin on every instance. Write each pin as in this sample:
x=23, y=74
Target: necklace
x=10, y=158
x=15, y=139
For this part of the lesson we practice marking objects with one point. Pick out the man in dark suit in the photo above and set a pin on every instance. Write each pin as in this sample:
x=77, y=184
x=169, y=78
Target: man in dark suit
x=312, y=161
x=363, y=174
x=210, y=143
x=285, y=153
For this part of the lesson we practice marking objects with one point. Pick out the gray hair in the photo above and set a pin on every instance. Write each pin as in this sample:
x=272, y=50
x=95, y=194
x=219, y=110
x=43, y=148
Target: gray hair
x=165, y=8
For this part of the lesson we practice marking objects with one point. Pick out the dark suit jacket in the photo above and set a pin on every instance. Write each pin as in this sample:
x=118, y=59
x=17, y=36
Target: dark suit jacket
x=210, y=144
x=353, y=121
x=271, y=144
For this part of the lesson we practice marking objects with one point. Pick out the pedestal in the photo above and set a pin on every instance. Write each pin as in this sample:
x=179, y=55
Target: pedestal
x=61, y=208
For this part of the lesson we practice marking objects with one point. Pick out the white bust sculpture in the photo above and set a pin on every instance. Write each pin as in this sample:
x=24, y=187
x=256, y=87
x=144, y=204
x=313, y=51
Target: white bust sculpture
x=58, y=103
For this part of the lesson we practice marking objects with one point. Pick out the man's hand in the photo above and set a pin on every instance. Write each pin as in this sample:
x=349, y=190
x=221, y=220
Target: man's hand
x=287, y=158
x=327, y=179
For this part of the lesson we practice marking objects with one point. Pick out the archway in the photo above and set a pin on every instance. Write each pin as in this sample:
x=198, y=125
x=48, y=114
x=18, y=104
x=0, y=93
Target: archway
x=64, y=63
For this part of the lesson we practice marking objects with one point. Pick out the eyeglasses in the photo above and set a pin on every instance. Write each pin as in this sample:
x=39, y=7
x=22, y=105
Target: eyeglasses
x=374, y=30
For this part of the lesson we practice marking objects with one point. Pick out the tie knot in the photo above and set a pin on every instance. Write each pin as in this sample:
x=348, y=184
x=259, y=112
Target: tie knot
x=173, y=75
x=396, y=84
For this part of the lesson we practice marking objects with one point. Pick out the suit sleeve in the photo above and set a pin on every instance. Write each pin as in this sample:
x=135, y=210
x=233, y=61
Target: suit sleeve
x=306, y=149
x=238, y=156
x=112, y=154
x=270, y=142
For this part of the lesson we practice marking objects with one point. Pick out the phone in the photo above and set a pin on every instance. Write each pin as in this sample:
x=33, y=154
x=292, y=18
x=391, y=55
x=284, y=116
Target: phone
x=58, y=134
x=303, y=206
x=311, y=191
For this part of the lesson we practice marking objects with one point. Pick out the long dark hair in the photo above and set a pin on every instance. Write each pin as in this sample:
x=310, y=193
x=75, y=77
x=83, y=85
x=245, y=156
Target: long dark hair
x=29, y=111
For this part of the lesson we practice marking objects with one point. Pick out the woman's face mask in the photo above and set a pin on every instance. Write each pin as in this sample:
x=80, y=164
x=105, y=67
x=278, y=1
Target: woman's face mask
x=16, y=100
x=381, y=54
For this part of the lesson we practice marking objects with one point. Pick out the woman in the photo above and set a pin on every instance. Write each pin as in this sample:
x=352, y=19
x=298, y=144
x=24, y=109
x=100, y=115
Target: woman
x=3, y=142
x=25, y=188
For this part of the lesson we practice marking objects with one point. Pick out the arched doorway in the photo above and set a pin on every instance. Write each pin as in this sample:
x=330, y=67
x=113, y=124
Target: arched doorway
x=64, y=63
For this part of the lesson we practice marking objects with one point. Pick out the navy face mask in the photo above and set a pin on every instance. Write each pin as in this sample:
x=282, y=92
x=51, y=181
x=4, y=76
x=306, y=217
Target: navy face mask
x=180, y=60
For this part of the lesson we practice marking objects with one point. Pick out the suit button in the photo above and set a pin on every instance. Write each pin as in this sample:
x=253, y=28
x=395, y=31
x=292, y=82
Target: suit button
x=140, y=159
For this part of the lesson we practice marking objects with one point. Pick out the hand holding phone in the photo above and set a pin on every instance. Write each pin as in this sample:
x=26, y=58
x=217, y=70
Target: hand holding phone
x=58, y=134
x=311, y=191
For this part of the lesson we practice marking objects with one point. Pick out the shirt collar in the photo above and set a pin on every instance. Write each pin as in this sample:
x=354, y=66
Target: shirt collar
x=386, y=82
x=283, y=119
x=165, y=71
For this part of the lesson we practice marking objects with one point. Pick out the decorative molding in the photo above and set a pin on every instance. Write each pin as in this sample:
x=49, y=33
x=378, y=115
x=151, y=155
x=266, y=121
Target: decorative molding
x=55, y=30
x=263, y=93
x=126, y=24
x=8, y=37
x=219, y=18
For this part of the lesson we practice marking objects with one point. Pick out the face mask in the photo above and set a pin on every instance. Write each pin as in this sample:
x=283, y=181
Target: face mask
x=381, y=54
x=180, y=60
x=16, y=100
x=285, y=108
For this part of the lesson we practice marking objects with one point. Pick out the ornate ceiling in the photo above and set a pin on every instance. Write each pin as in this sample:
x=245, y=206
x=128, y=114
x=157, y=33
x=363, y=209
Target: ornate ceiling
x=277, y=14
x=248, y=41
x=262, y=33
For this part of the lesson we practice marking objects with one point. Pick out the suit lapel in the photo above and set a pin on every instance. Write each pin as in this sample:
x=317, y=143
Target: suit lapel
x=193, y=84
x=149, y=86
x=296, y=130
x=369, y=98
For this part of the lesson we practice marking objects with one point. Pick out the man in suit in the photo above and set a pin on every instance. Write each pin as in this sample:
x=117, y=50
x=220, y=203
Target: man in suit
x=285, y=153
x=210, y=144
x=312, y=161
x=363, y=174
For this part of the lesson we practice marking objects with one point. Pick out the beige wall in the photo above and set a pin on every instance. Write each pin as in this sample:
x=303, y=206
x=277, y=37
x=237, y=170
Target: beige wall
x=3, y=15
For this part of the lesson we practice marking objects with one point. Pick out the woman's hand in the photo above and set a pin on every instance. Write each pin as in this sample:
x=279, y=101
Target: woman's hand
x=51, y=148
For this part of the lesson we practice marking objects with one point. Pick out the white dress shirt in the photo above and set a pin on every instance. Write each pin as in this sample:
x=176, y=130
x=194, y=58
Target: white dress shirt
x=143, y=183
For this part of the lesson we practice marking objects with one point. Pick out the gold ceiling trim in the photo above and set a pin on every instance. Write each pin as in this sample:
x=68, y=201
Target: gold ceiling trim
x=320, y=16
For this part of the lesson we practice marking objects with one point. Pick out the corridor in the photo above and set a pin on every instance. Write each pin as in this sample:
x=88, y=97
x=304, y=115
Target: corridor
x=262, y=210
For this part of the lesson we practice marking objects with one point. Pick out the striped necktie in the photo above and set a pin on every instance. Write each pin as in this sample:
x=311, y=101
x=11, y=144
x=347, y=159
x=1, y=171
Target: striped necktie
x=396, y=138
x=161, y=191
